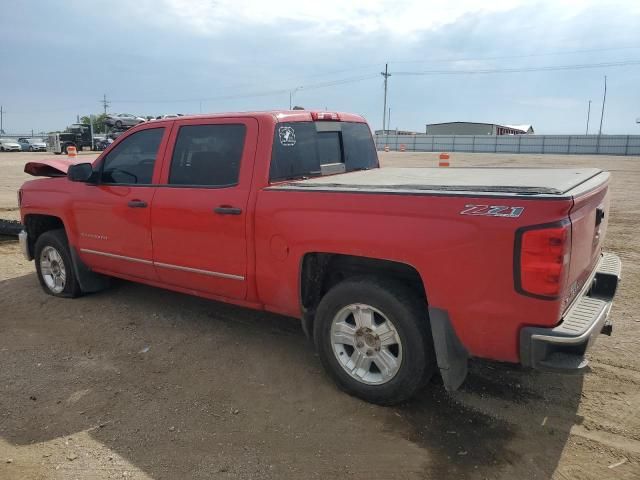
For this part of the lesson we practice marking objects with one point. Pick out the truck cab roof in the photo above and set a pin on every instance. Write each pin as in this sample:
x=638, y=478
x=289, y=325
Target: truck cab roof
x=279, y=116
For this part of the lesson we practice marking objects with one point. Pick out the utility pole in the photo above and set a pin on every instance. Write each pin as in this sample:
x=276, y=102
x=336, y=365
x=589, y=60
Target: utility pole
x=604, y=99
x=588, y=114
x=386, y=75
x=389, y=119
x=105, y=103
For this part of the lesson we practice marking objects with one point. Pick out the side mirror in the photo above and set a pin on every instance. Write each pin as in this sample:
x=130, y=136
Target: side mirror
x=81, y=172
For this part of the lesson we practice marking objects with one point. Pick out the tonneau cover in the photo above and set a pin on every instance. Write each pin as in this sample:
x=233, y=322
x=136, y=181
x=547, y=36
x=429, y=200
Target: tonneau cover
x=521, y=181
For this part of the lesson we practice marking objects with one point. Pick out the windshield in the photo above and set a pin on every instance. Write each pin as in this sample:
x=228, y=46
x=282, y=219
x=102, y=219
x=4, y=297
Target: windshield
x=300, y=149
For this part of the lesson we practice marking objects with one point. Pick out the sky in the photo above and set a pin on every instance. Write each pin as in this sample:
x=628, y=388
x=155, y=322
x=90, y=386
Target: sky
x=512, y=62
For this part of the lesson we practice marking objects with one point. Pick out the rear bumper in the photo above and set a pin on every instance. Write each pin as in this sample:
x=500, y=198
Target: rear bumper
x=563, y=347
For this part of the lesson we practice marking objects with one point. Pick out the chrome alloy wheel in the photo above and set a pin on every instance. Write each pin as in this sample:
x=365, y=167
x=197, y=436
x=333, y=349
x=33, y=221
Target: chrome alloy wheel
x=366, y=344
x=52, y=269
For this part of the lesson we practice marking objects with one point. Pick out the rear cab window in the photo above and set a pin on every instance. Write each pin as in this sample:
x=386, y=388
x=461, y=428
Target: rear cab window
x=310, y=149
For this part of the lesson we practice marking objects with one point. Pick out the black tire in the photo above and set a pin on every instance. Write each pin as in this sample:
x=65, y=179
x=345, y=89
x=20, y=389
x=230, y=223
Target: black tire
x=118, y=124
x=408, y=314
x=58, y=240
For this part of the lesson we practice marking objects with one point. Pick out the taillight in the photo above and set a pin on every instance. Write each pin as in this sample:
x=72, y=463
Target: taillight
x=542, y=256
x=315, y=116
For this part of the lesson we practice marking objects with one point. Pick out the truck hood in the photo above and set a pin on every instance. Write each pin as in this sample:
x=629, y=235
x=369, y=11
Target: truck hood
x=54, y=167
x=518, y=181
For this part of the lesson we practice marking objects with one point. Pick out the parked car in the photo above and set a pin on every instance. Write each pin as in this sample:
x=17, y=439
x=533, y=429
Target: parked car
x=113, y=135
x=9, y=145
x=120, y=120
x=32, y=144
x=395, y=272
x=101, y=143
x=169, y=115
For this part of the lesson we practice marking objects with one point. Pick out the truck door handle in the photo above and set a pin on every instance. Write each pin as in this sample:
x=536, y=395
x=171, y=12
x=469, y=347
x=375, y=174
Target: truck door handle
x=137, y=204
x=227, y=210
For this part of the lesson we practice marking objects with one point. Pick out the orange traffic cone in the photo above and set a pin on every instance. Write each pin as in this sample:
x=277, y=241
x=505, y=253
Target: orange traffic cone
x=402, y=147
x=386, y=148
x=72, y=152
x=444, y=160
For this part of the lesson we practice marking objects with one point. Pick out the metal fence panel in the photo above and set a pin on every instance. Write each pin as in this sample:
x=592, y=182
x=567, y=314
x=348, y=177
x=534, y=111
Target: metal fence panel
x=556, y=144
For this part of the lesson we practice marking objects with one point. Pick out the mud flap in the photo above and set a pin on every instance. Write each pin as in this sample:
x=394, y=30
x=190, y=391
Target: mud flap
x=307, y=324
x=89, y=281
x=451, y=355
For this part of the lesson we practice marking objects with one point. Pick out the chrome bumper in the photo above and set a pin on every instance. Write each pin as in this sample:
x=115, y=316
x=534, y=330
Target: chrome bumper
x=23, y=238
x=563, y=347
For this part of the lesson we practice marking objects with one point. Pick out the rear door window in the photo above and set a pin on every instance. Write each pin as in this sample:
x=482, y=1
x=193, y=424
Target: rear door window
x=207, y=155
x=300, y=149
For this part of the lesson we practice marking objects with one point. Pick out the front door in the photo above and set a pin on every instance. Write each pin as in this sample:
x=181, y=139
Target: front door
x=113, y=218
x=199, y=214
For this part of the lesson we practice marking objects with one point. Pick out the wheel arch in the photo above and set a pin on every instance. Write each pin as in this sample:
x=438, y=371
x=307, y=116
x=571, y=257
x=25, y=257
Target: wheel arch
x=36, y=224
x=319, y=271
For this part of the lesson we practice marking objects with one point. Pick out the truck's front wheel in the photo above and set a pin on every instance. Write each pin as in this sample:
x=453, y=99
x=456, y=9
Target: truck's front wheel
x=54, y=265
x=374, y=339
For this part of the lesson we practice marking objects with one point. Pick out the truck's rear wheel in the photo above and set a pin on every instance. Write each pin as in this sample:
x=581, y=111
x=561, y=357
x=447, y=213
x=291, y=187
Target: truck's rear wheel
x=54, y=265
x=374, y=339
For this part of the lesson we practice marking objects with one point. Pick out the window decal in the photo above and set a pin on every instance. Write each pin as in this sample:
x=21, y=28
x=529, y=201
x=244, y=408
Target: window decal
x=287, y=136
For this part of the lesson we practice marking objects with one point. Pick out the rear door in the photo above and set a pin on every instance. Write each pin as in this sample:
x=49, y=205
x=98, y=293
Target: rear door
x=199, y=213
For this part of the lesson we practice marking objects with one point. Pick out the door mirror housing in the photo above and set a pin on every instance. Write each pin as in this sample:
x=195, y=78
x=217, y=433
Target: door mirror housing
x=81, y=172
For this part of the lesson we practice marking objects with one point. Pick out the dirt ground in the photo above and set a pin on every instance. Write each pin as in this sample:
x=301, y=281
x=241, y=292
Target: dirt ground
x=138, y=382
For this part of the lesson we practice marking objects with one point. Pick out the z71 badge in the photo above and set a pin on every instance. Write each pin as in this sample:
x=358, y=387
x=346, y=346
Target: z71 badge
x=492, y=211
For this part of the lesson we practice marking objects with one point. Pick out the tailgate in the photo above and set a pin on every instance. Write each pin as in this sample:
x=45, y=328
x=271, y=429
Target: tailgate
x=589, y=217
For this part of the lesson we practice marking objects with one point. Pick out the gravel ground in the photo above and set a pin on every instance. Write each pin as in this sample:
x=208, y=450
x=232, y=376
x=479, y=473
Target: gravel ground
x=138, y=382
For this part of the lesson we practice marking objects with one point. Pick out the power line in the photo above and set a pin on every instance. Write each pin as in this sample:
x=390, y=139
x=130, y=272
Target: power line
x=504, y=57
x=549, y=68
x=468, y=59
x=264, y=93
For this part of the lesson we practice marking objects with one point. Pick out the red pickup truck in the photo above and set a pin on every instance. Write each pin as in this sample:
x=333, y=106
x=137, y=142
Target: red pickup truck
x=395, y=272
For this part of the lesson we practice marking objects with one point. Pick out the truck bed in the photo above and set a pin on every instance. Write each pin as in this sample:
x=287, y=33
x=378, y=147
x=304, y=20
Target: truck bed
x=503, y=181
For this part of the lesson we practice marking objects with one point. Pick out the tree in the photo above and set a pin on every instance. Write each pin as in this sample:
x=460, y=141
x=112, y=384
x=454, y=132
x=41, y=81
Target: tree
x=98, y=122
